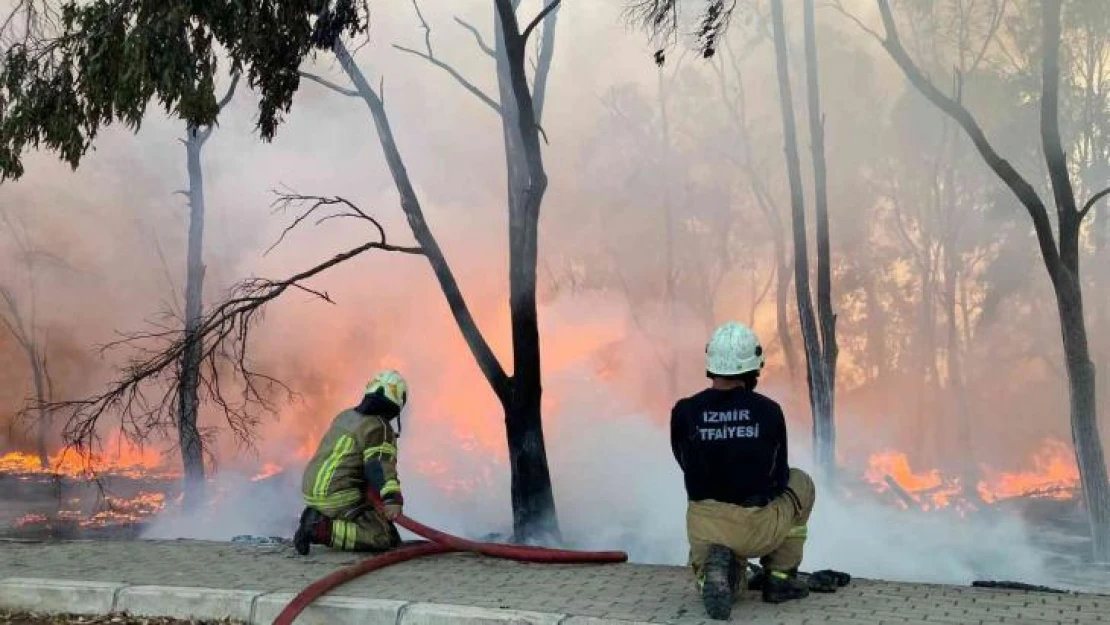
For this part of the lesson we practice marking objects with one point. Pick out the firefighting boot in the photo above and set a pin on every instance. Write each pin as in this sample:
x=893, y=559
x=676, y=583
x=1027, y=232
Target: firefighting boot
x=718, y=582
x=314, y=528
x=779, y=586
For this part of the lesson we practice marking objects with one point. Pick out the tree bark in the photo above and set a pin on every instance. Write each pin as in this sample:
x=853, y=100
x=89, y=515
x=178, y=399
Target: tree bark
x=189, y=439
x=534, y=515
x=824, y=417
x=811, y=340
x=1082, y=377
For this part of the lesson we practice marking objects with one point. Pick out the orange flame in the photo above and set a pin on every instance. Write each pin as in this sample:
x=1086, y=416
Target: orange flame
x=1054, y=474
x=123, y=459
x=268, y=470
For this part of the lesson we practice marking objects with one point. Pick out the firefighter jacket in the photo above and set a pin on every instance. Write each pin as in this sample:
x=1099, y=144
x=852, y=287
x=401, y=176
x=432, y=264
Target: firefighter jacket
x=358, y=451
x=731, y=446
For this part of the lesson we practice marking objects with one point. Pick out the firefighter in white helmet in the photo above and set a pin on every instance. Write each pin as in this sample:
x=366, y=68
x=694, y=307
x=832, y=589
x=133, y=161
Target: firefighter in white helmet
x=359, y=451
x=745, y=501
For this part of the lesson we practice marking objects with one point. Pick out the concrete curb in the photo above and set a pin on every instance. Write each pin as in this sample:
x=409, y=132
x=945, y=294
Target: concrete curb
x=53, y=595
x=256, y=608
x=330, y=610
x=180, y=602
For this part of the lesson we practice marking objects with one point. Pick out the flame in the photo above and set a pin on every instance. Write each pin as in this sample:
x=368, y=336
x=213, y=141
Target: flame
x=1054, y=474
x=268, y=470
x=930, y=490
x=124, y=459
x=120, y=510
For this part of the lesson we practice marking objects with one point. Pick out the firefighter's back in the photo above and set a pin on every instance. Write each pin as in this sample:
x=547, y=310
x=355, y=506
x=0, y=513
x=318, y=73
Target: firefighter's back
x=333, y=478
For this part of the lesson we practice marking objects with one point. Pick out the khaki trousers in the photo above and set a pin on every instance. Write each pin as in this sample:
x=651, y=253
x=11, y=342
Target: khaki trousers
x=775, y=533
x=362, y=528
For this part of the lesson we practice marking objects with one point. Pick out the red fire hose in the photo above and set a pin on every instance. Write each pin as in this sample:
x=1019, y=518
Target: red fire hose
x=440, y=543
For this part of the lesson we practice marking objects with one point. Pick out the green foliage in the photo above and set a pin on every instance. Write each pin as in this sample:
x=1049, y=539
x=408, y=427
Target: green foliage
x=111, y=58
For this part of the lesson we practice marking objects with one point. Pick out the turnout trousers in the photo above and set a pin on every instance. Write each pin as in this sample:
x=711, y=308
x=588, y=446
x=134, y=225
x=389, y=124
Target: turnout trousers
x=361, y=528
x=775, y=533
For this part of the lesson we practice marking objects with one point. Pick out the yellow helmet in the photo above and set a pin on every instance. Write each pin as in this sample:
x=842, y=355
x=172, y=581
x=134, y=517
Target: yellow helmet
x=393, y=387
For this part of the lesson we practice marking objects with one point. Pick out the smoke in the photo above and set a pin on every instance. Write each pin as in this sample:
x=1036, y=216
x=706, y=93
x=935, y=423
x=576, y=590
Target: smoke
x=617, y=309
x=617, y=485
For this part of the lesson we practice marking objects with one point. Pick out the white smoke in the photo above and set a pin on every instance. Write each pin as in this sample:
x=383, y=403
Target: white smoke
x=617, y=486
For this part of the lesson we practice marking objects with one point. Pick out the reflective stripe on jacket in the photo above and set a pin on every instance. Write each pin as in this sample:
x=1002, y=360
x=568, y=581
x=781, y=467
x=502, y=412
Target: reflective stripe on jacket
x=335, y=477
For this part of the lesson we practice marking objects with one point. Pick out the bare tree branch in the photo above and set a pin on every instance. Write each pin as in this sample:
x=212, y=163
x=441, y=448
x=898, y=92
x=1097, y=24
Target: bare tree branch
x=539, y=18
x=15, y=322
x=145, y=395
x=487, y=361
x=459, y=78
x=350, y=93
x=286, y=201
x=430, y=57
x=838, y=6
x=485, y=47
x=542, y=70
x=1020, y=187
x=224, y=101
x=29, y=22
x=425, y=26
x=1091, y=202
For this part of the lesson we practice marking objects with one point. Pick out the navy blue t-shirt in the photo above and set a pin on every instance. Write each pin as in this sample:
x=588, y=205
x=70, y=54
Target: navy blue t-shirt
x=731, y=445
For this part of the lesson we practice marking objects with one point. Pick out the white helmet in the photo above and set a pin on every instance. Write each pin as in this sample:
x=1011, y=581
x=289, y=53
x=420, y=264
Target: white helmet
x=732, y=350
x=392, y=386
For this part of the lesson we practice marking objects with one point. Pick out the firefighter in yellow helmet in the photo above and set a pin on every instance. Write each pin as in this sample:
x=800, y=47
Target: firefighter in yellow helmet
x=359, y=451
x=745, y=500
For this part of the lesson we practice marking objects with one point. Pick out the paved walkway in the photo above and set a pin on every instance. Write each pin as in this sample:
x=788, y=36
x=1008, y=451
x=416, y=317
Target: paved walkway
x=626, y=592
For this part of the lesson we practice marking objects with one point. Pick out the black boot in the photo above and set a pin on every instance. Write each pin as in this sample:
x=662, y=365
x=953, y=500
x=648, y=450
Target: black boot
x=718, y=580
x=314, y=528
x=779, y=587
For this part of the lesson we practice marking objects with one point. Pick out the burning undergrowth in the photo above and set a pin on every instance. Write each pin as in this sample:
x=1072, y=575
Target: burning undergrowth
x=112, y=496
x=616, y=484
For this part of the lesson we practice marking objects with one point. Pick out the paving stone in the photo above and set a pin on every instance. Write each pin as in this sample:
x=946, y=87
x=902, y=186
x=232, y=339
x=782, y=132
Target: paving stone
x=657, y=594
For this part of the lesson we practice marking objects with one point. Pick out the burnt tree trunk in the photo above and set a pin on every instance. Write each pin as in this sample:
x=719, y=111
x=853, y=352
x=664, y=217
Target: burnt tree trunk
x=188, y=401
x=533, y=503
x=1084, y=402
x=811, y=340
x=1064, y=270
x=534, y=515
x=189, y=380
x=824, y=415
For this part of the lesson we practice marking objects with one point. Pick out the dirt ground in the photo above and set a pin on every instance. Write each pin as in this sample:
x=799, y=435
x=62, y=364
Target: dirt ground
x=24, y=618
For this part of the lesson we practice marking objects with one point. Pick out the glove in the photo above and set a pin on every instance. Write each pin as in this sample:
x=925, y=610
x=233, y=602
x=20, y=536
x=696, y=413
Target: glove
x=828, y=580
x=392, y=511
